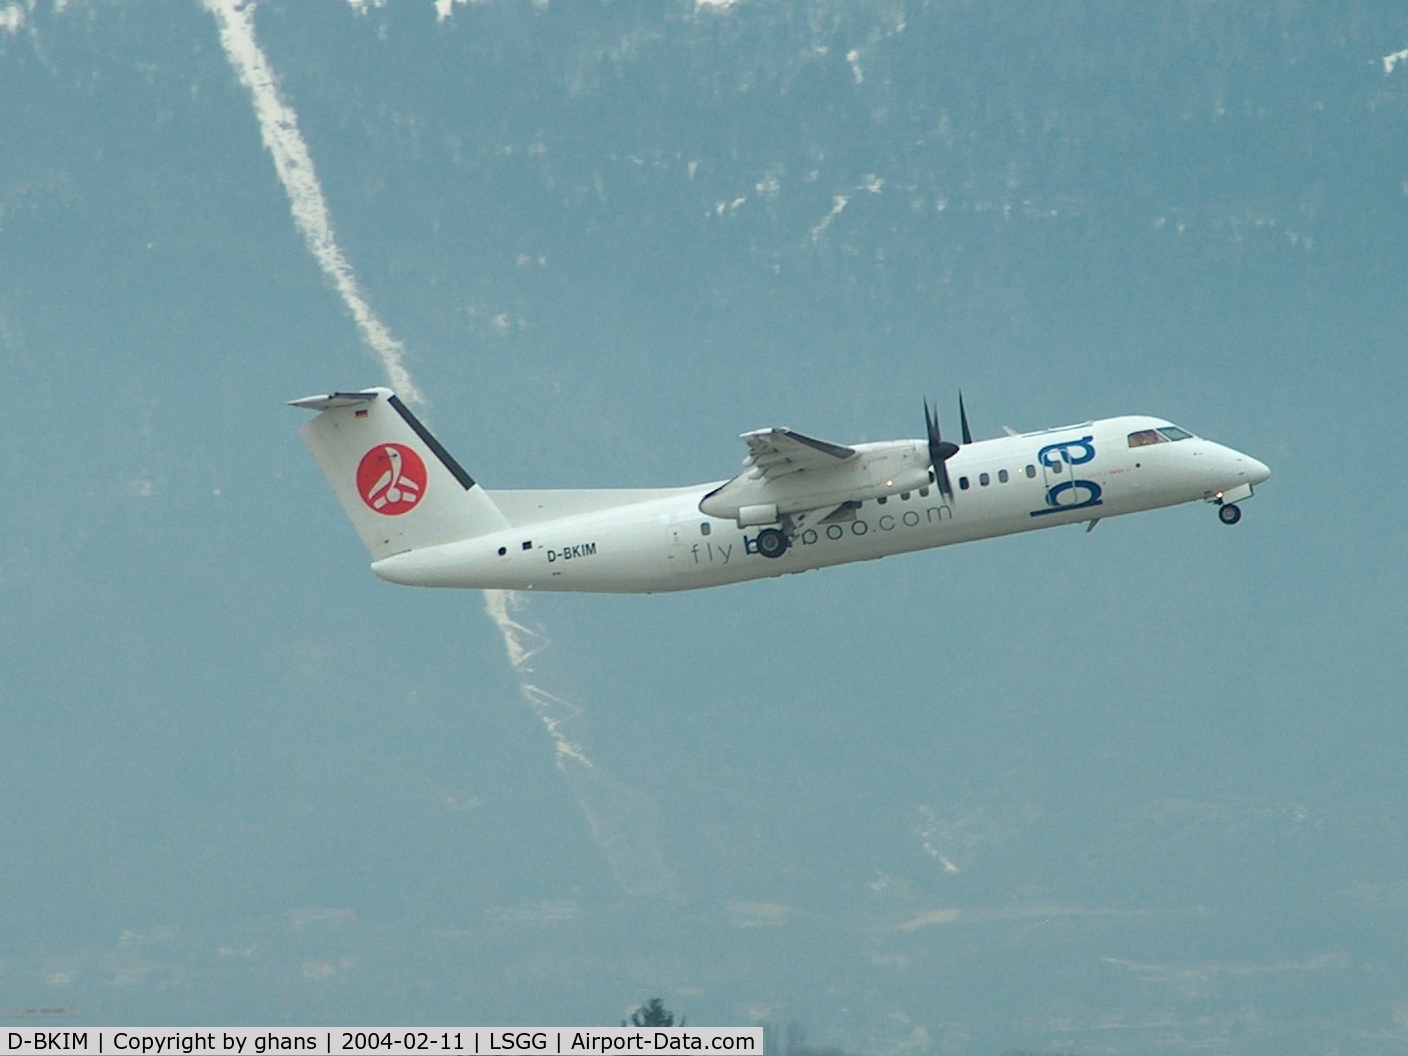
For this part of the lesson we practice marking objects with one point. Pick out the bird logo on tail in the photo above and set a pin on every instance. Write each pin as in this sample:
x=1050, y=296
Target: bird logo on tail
x=391, y=479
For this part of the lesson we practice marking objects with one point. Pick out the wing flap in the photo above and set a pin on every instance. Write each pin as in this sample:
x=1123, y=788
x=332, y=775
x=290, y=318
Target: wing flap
x=779, y=451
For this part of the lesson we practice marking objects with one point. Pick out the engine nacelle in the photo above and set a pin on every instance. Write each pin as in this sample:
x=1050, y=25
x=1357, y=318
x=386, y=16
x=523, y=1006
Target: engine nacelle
x=889, y=468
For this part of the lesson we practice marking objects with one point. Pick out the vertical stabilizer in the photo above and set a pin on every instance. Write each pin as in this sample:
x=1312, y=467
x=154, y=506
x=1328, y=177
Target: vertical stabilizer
x=401, y=489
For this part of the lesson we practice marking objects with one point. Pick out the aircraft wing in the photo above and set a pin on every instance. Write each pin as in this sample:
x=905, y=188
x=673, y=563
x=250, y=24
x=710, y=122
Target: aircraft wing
x=779, y=451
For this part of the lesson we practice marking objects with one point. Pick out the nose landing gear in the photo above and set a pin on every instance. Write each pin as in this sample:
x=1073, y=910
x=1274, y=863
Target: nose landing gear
x=1229, y=513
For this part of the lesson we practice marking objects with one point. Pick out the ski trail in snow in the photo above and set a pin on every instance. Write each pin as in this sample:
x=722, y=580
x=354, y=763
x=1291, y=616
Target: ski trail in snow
x=278, y=125
x=622, y=820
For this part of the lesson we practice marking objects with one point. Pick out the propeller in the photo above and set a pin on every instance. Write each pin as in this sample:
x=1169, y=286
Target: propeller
x=940, y=450
x=963, y=415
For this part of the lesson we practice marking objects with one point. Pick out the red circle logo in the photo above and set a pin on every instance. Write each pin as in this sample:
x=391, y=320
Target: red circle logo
x=391, y=479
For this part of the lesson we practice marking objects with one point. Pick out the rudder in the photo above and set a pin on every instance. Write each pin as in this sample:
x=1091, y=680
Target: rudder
x=400, y=488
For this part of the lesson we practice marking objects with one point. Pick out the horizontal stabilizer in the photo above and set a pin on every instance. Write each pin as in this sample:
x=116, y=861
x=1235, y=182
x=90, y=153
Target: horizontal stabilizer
x=334, y=400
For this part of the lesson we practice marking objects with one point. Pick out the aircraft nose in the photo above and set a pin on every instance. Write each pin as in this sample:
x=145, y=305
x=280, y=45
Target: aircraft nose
x=1239, y=468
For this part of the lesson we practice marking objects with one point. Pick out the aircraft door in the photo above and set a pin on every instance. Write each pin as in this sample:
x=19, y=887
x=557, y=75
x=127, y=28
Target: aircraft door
x=1061, y=471
x=1054, y=469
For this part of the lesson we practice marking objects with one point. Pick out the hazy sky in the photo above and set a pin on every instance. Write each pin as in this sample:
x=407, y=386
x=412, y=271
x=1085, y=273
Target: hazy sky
x=1133, y=791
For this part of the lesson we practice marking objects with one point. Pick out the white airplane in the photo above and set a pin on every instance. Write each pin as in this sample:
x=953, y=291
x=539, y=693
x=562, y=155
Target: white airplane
x=799, y=504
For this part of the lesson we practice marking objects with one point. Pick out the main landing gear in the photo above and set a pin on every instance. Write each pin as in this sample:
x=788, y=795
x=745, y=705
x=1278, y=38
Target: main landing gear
x=1229, y=513
x=772, y=542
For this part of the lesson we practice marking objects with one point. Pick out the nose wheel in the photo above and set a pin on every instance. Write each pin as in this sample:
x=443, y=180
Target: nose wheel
x=1229, y=513
x=772, y=542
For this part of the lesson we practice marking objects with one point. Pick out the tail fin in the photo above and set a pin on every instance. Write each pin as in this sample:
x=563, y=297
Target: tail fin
x=402, y=490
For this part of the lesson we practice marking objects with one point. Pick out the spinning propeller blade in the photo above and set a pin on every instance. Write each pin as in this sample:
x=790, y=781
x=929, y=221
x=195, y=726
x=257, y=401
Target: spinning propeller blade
x=940, y=450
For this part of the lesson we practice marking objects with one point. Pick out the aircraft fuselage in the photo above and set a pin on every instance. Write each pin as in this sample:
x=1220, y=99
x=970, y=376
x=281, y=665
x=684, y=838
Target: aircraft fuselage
x=662, y=542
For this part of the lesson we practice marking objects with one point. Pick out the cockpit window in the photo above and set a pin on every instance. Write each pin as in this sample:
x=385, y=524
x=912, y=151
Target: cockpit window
x=1145, y=437
x=1175, y=433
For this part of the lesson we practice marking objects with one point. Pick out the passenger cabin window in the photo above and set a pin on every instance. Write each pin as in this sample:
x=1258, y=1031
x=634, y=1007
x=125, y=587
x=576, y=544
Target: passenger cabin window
x=1031, y=471
x=1175, y=433
x=923, y=493
x=984, y=479
x=705, y=528
x=963, y=483
x=882, y=500
x=1002, y=476
x=1145, y=437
